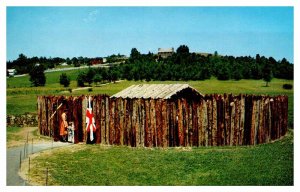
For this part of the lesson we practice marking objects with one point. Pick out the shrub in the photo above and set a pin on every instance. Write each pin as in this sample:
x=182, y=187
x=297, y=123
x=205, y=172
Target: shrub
x=37, y=76
x=64, y=80
x=287, y=86
x=81, y=79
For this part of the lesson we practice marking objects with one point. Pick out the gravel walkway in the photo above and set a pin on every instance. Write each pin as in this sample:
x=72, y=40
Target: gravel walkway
x=13, y=160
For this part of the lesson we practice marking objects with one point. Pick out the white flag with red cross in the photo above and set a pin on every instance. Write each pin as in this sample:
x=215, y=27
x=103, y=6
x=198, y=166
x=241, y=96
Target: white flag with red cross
x=90, y=120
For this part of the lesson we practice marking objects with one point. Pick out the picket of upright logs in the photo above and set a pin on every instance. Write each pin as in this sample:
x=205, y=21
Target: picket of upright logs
x=214, y=120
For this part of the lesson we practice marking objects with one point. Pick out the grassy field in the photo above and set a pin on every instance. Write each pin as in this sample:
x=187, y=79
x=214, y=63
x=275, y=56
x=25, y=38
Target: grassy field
x=97, y=165
x=267, y=164
x=21, y=98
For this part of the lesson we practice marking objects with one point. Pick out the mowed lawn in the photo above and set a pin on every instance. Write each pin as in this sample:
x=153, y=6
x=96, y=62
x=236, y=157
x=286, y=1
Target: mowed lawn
x=98, y=165
x=21, y=98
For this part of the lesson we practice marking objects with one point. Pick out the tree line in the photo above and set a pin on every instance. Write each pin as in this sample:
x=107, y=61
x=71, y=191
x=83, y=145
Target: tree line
x=24, y=64
x=181, y=65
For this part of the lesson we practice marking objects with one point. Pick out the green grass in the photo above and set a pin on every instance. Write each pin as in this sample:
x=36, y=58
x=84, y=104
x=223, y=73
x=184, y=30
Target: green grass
x=266, y=164
x=21, y=97
x=11, y=133
x=52, y=79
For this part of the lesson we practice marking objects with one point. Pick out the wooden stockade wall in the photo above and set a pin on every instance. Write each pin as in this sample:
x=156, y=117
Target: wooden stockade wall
x=214, y=120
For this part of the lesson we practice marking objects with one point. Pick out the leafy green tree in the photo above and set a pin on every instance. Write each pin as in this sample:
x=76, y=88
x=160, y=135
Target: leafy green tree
x=113, y=74
x=223, y=72
x=64, y=80
x=75, y=62
x=134, y=54
x=37, y=76
x=267, y=73
x=68, y=61
x=89, y=78
x=81, y=79
x=97, y=78
x=183, y=49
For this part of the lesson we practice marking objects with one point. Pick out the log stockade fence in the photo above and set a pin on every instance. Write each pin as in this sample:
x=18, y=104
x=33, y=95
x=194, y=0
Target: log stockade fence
x=212, y=120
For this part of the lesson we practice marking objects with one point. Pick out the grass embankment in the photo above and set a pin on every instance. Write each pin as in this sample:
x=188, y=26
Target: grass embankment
x=17, y=136
x=266, y=164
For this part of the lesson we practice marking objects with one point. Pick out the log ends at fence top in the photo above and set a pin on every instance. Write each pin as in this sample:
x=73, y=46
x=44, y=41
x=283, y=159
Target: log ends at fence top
x=214, y=120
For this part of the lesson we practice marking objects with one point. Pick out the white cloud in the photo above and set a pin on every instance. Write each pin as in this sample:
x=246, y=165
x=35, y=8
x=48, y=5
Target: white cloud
x=91, y=17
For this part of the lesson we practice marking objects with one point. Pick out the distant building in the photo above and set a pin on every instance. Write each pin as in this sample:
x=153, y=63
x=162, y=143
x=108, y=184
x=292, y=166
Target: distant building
x=164, y=53
x=97, y=61
x=64, y=64
x=11, y=72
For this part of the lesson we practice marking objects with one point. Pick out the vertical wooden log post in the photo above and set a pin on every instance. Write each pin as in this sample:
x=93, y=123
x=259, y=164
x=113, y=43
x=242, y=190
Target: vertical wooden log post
x=102, y=119
x=84, y=106
x=117, y=122
x=214, y=136
x=147, y=124
x=142, y=121
x=180, y=123
x=195, y=126
x=242, y=120
x=158, y=112
x=164, y=122
x=111, y=121
x=210, y=119
x=171, y=124
x=220, y=120
x=185, y=122
x=153, y=132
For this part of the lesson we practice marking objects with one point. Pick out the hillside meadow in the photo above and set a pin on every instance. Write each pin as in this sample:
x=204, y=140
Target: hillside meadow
x=265, y=164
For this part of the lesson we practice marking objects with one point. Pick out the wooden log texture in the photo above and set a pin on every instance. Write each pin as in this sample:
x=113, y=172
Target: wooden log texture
x=185, y=122
x=153, y=131
x=214, y=120
x=210, y=121
x=171, y=125
x=111, y=121
x=175, y=122
x=97, y=115
x=242, y=120
x=117, y=122
x=147, y=124
x=232, y=117
x=102, y=118
x=167, y=136
x=180, y=123
x=227, y=119
x=84, y=106
x=77, y=113
x=127, y=123
x=164, y=123
x=220, y=120
x=142, y=122
x=248, y=120
x=237, y=120
x=158, y=112
x=195, y=129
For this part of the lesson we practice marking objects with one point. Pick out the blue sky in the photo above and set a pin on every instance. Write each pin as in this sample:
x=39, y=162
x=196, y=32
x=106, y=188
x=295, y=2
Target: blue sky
x=102, y=31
